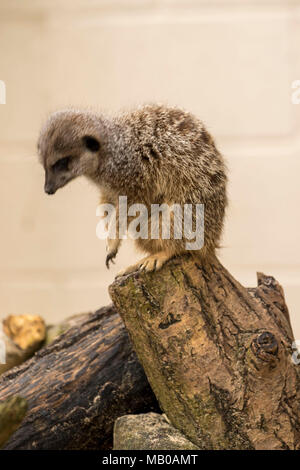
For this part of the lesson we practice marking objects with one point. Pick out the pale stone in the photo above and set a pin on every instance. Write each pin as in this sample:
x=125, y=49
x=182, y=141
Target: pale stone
x=149, y=431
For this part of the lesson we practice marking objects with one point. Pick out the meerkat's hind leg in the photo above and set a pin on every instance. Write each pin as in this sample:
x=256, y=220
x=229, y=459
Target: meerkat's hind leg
x=148, y=264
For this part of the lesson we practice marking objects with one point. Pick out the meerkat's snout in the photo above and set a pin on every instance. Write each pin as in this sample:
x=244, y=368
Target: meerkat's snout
x=49, y=189
x=49, y=186
x=57, y=175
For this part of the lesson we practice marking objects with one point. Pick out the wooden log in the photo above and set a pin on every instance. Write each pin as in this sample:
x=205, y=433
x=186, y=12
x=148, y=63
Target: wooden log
x=78, y=385
x=218, y=356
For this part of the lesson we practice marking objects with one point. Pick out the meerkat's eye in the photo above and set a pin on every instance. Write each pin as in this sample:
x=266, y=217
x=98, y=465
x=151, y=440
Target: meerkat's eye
x=91, y=143
x=62, y=164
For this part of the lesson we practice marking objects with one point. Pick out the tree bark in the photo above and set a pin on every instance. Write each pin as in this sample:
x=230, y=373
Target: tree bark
x=217, y=355
x=77, y=386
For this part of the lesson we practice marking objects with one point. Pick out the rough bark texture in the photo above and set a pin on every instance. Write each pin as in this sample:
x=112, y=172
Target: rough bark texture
x=218, y=356
x=77, y=386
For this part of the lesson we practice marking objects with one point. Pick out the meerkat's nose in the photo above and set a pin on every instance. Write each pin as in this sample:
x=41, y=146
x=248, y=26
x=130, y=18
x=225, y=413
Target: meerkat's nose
x=49, y=186
x=49, y=189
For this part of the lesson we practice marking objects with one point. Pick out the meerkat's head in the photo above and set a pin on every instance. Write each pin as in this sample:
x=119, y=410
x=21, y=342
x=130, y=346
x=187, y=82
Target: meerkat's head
x=69, y=146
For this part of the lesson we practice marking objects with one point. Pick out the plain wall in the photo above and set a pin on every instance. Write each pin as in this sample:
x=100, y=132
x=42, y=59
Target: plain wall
x=230, y=62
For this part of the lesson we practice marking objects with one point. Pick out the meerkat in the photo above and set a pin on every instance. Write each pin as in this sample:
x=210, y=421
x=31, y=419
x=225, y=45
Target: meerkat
x=154, y=154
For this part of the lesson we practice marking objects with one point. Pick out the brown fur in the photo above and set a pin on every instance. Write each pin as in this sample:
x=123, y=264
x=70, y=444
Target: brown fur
x=154, y=154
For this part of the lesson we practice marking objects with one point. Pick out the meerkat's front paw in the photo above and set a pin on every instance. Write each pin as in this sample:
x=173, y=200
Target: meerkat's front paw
x=148, y=264
x=110, y=258
x=112, y=246
x=154, y=262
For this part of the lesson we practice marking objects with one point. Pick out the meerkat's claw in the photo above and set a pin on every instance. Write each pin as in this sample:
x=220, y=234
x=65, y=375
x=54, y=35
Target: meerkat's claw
x=147, y=264
x=154, y=262
x=110, y=258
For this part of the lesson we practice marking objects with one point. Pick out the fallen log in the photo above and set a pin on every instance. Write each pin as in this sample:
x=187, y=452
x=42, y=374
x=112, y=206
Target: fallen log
x=217, y=355
x=78, y=386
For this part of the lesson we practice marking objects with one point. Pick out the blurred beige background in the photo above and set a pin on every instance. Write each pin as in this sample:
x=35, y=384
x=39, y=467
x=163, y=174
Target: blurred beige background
x=230, y=62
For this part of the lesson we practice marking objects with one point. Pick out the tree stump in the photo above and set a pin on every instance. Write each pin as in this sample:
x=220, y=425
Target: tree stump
x=217, y=355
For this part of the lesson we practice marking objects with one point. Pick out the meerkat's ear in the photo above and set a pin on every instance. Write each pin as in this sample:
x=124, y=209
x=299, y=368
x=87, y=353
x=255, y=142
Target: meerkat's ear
x=91, y=143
